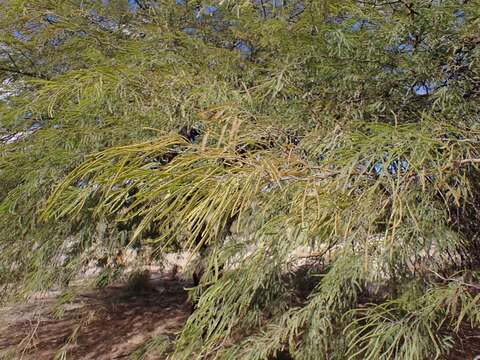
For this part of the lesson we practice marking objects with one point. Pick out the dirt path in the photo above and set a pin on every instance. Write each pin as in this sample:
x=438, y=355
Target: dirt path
x=106, y=324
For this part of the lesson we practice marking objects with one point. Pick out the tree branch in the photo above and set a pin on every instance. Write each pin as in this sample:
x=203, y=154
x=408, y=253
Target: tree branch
x=20, y=72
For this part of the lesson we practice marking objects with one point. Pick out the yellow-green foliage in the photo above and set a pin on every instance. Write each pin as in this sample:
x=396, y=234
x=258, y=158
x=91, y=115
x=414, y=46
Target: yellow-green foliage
x=349, y=131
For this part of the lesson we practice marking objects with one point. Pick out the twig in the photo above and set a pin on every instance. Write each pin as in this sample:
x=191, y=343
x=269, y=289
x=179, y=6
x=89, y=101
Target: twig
x=20, y=72
x=468, y=161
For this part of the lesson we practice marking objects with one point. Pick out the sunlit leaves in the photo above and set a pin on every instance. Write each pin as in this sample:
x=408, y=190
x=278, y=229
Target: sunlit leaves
x=320, y=155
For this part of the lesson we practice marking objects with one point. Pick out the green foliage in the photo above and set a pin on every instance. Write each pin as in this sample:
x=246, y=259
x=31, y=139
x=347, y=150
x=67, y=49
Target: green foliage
x=329, y=177
x=157, y=345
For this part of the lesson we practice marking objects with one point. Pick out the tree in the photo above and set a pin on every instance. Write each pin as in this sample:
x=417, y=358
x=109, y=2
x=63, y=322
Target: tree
x=321, y=155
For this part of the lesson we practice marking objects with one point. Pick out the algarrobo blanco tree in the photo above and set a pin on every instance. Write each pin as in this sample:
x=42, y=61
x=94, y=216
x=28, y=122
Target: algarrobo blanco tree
x=247, y=131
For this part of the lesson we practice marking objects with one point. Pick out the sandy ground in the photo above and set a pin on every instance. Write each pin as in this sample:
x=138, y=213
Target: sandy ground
x=108, y=324
x=114, y=322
